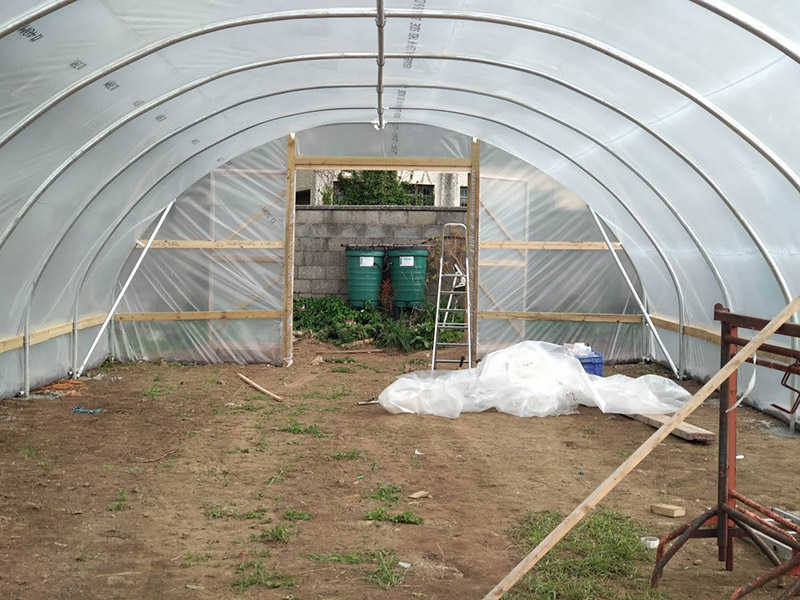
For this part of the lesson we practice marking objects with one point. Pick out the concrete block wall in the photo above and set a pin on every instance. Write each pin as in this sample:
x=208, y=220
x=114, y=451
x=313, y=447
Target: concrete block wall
x=320, y=231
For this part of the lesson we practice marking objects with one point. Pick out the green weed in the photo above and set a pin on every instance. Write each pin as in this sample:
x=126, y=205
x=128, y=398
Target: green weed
x=386, y=492
x=343, y=360
x=387, y=575
x=347, y=455
x=192, y=559
x=381, y=514
x=280, y=533
x=256, y=513
x=602, y=557
x=255, y=573
x=259, y=552
x=221, y=512
x=334, y=395
x=342, y=370
x=277, y=478
x=291, y=514
x=353, y=557
x=262, y=445
x=28, y=452
x=120, y=503
x=300, y=429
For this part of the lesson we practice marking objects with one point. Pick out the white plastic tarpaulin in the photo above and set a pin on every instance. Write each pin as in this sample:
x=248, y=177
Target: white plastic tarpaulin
x=676, y=121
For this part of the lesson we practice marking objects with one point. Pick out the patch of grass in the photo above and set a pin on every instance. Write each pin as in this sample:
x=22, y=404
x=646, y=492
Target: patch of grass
x=280, y=533
x=277, y=478
x=291, y=514
x=343, y=360
x=156, y=390
x=353, y=454
x=300, y=429
x=255, y=573
x=262, y=445
x=386, y=492
x=249, y=404
x=602, y=557
x=192, y=559
x=28, y=452
x=334, y=395
x=257, y=513
x=120, y=503
x=259, y=552
x=387, y=575
x=221, y=512
x=298, y=410
x=352, y=557
x=381, y=514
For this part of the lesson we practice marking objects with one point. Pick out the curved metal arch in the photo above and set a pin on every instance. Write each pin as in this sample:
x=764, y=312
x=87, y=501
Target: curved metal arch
x=31, y=16
x=261, y=64
x=752, y=25
x=91, y=198
x=171, y=41
x=648, y=234
x=469, y=16
x=561, y=32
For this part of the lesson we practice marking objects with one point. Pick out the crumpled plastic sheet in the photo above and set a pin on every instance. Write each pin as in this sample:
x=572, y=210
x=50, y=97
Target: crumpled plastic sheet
x=529, y=379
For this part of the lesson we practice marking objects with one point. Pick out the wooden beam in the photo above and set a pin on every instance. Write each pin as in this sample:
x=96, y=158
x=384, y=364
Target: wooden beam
x=48, y=333
x=708, y=335
x=555, y=316
x=519, y=245
x=287, y=341
x=380, y=163
x=211, y=244
x=640, y=454
x=486, y=262
x=200, y=315
x=685, y=431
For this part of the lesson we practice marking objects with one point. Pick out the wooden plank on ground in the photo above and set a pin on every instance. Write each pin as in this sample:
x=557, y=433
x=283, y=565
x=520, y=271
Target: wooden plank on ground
x=200, y=315
x=554, y=316
x=685, y=431
x=211, y=244
x=533, y=245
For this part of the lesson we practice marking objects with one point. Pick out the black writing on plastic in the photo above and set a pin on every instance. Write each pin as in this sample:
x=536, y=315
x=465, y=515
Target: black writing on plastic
x=77, y=64
x=29, y=32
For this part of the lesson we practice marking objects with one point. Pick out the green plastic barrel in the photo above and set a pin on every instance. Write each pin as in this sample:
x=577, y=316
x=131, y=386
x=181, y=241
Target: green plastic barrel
x=407, y=268
x=364, y=270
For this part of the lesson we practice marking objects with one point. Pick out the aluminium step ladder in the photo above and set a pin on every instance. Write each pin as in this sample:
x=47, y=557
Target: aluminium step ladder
x=457, y=293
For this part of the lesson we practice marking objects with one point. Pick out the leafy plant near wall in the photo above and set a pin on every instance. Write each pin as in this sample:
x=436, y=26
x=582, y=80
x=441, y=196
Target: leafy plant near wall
x=373, y=188
x=332, y=320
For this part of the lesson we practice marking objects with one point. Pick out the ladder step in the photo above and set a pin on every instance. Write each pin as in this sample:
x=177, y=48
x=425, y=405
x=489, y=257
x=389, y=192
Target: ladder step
x=452, y=310
x=451, y=344
x=446, y=326
x=454, y=293
x=453, y=275
x=450, y=360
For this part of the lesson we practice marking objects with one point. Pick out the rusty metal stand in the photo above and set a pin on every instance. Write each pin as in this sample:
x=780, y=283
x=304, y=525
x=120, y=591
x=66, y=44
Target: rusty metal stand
x=736, y=515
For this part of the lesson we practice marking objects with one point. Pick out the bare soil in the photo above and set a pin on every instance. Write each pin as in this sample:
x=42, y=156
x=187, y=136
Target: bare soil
x=179, y=442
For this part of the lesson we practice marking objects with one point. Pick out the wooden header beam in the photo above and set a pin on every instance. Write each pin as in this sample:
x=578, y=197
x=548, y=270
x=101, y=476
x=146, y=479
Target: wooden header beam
x=554, y=316
x=380, y=163
x=200, y=315
x=515, y=245
x=211, y=244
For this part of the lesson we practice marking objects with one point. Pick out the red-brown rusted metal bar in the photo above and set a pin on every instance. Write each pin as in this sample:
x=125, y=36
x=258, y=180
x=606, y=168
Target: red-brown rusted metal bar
x=771, y=348
x=760, y=525
x=767, y=512
x=792, y=591
x=723, y=315
x=773, y=573
x=683, y=534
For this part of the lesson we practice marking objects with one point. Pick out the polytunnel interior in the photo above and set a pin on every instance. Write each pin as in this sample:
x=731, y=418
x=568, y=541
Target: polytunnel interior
x=675, y=122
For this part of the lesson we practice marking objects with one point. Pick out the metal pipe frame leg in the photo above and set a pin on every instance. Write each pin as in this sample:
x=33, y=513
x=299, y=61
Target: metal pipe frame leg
x=770, y=575
x=687, y=532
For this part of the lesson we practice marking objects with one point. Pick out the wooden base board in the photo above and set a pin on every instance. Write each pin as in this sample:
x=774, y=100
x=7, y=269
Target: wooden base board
x=685, y=431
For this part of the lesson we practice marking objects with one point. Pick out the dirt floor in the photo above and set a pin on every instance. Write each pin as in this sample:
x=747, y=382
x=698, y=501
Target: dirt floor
x=158, y=495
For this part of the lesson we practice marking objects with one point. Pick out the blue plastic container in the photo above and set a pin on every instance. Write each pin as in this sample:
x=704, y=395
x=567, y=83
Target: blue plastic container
x=592, y=363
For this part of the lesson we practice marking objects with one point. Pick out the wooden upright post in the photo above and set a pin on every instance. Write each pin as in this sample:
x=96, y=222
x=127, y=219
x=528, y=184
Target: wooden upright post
x=287, y=347
x=473, y=240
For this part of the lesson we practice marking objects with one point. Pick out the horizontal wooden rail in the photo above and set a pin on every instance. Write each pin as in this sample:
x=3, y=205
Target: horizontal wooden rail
x=520, y=245
x=501, y=263
x=48, y=333
x=200, y=315
x=555, y=316
x=210, y=244
x=381, y=163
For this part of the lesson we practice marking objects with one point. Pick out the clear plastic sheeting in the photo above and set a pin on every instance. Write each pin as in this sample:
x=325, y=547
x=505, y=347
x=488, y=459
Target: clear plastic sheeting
x=529, y=379
x=519, y=206
x=242, y=201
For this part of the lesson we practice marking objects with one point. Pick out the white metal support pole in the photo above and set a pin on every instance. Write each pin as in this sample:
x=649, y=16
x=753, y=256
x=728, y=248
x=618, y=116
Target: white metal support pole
x=26, y=352
x=632, y=288
x=380, y=21
x=110, y=314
